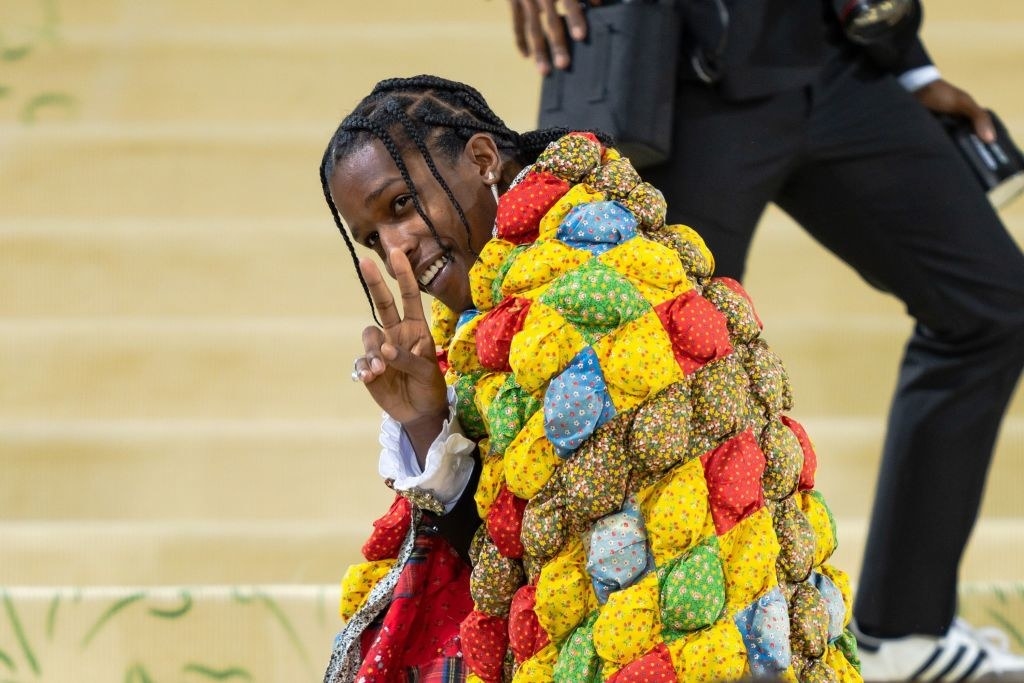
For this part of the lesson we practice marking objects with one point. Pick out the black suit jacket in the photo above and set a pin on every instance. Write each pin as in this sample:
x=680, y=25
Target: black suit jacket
x=760, y=47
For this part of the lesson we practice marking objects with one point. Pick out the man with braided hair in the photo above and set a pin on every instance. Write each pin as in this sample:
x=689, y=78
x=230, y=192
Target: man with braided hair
x=596, y=474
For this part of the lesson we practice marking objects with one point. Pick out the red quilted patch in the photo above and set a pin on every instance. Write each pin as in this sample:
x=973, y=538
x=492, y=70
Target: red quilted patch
x=495, y=331
x=522, y=207
x=525, y=634
x=697, y=329
x=505, y=523
x=389, y=531
x=484, y=642
x=810, y=457
x=733, y=473
x=653, y=667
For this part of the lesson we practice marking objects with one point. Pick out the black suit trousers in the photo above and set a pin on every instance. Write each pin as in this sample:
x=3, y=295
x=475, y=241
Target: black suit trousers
x=870, y=175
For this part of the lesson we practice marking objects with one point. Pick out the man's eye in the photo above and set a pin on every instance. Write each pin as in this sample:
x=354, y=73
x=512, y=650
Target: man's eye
x=400, y=202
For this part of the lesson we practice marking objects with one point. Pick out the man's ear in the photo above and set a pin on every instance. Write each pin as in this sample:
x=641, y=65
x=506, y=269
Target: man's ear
x=483, y=153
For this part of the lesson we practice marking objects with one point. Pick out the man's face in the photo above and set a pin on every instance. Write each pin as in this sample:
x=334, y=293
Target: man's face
x=377, y=206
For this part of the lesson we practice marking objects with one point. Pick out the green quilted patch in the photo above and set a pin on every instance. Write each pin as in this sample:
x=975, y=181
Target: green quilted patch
x=469, y=417
x=499, y=277
x=693, y=588
x=577, y=660
x=508, y=412
x=595, y=299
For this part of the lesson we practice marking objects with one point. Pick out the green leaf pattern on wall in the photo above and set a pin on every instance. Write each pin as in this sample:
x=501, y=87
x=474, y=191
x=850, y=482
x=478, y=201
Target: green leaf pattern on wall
x=159, y=635
x=254, y=634
x=19, y=42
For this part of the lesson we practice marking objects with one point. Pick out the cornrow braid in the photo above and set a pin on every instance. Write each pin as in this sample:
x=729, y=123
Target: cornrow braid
x=428, y=112
x=364, y=123
x=421, y=145
x=344, y=233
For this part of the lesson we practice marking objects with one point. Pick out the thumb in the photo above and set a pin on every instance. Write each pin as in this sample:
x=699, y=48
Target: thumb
x=409, y=363
x=983, y=126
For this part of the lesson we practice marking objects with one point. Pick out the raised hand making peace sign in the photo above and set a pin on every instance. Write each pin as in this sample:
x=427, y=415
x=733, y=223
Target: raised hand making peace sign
x=399, y=365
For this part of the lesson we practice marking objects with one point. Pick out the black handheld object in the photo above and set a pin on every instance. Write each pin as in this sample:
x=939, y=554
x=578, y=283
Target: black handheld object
x=998, y=165
x=621, y=80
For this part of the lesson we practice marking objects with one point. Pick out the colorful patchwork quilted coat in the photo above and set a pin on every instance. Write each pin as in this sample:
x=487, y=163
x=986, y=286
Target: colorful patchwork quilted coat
x=648, y=505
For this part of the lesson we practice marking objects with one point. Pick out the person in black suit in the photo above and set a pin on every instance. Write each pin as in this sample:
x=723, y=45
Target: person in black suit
x=836, y=136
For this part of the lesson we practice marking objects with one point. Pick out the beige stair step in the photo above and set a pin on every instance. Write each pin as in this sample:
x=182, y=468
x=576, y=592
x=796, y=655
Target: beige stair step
x=207, y=177
x=192, y=470
x=173, y=14
x=198, y=267
x=138, y=368
x=309, y=551
x=170, y=171
x=298, y=51
x=849, y=452
x=147, y=266
x=261, y=74
x=180, y=551
x=284, y=368
x=151, y=266
x=327, y=469
x=311, y=12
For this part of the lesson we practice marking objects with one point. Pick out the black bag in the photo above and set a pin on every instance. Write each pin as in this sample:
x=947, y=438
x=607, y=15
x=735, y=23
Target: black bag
x=998, y=166
x=622, y=79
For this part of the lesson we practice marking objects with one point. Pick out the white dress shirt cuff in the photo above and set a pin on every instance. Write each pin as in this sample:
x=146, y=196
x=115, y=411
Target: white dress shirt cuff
x=916, y=79
x=449, y=461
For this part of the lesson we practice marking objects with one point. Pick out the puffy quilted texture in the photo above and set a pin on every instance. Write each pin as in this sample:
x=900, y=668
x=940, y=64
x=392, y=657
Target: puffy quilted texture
x=648, y=502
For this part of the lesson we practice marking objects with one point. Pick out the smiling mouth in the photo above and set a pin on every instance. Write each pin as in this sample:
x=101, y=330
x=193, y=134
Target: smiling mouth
x=430, y=274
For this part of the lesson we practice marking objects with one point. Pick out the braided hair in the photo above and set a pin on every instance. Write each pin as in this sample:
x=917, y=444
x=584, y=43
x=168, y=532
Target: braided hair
x=426, y=113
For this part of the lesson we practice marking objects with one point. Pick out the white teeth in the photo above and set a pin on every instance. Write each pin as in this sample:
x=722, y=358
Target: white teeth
x=432, y=271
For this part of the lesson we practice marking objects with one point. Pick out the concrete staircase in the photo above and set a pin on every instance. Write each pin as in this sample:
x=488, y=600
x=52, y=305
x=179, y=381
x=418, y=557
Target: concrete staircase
x=187, y=470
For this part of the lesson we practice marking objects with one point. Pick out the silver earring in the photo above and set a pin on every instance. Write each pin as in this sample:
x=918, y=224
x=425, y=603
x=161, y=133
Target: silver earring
x=494, y=192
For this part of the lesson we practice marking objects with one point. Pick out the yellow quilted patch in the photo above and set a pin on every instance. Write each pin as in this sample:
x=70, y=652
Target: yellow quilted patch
x=676, y=511
x=492, y=476
x=749, y=551
x=539, y=265
x=357, y=583
x=565, y=594
x=483, y=272
x=710, y=655
x=821, y=521
x=629, y=624
x=637, y=361
x=530, y=459
x=543, y=348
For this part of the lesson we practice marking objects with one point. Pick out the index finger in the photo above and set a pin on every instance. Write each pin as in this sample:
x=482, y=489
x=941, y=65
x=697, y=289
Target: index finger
x=519, y=28
x=380, y=295
x=554, y=30
x=412, y=304
x=983, y=126
x=576, y=19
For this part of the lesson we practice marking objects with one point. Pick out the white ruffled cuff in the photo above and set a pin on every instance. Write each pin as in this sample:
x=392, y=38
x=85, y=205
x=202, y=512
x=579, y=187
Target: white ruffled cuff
x=449, y=461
